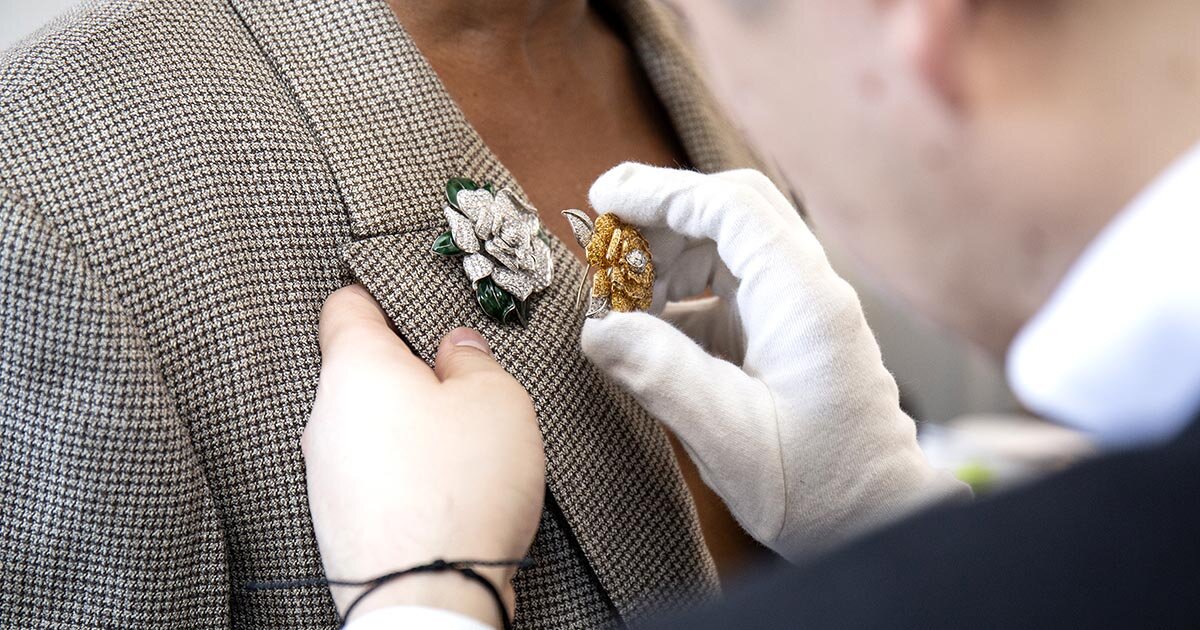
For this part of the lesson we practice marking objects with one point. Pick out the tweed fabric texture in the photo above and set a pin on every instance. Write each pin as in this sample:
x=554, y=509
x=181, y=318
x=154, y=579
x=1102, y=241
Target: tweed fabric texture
x=548, y=593
x=74, y=532
x=182, y=185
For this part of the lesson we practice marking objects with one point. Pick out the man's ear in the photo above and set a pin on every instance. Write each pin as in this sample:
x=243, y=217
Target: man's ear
x=930, y=36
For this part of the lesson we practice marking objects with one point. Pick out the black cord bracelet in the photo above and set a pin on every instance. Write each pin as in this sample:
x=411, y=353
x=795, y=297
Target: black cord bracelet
x=462, y=567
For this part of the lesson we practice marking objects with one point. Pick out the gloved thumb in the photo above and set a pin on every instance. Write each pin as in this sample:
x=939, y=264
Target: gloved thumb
x=724, y=418
x=464, y=353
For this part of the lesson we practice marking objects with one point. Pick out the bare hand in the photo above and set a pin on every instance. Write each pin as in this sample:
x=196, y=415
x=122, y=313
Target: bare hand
x=406, y=464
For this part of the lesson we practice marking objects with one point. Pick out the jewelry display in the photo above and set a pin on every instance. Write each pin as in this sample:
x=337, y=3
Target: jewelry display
x=623, y=279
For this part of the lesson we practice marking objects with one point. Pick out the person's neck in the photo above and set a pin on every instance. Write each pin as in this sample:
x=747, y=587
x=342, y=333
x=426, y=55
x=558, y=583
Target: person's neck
x=1131, y=77
x=493, y=30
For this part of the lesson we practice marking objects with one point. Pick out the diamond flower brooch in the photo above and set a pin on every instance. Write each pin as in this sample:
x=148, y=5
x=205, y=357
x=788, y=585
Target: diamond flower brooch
x=624, y=272
x=505, y=252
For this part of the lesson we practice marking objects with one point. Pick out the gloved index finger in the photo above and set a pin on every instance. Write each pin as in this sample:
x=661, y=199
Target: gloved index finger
x=735, y=216
x=765, y=187
x=691, y=204
x=775, y=259
x=644, y=195
x=630, y=189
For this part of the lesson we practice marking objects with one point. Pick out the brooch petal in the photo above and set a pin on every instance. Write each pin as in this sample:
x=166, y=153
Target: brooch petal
x=462, y=231
x=518, y=284
x=478, y=267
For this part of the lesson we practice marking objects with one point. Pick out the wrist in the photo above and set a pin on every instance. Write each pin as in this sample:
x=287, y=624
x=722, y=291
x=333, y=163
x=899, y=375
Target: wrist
x=446, y=590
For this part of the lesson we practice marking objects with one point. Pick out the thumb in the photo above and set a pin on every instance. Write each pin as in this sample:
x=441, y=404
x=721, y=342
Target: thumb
x=724, y=417
x=672, y=377
x=464, y=352
x=354, y=331
x=349, y=316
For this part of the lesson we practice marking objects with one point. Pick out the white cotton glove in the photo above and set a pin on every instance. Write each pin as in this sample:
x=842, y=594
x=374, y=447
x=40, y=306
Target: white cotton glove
x=802, y=436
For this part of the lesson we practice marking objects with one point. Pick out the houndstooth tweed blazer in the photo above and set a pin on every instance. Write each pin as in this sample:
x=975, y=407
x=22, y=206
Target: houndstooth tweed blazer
x=182, y=182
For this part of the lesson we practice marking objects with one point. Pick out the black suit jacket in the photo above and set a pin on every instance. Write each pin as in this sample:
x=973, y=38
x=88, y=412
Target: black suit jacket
x=1114, y=542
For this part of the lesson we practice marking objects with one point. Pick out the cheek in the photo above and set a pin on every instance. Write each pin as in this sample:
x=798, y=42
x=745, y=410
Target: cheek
x=736, y=54
x=765, y=65
x=853, y=233
x=900, y=254
x=816, y=89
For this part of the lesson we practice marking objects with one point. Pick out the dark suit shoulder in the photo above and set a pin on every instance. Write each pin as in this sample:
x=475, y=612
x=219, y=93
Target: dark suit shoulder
x=1110, y=543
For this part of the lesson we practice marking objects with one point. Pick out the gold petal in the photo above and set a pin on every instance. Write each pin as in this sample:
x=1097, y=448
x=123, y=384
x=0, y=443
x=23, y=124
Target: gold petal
x=597, y=248
x=622, y=303
x=601, y=283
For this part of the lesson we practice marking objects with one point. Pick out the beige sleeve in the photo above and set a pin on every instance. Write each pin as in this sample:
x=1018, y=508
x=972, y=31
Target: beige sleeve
x=106, y=519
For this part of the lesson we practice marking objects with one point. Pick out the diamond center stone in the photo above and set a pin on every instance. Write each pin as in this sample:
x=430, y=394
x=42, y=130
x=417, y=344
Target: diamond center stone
x=637, y=260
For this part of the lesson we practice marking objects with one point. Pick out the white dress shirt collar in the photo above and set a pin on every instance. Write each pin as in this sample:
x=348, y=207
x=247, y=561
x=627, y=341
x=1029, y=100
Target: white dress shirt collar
x=1116, y=350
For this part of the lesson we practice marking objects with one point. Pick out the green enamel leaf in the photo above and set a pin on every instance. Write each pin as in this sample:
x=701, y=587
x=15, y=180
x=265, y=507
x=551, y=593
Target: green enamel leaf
x=455, y=185
x=520, y=311
x=543, y=235
x=490, y=188
x=445, y=245
x=497, y=303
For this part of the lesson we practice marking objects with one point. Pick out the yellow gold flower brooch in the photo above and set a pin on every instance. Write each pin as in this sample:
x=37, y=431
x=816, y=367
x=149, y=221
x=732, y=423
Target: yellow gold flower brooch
x=624, y=272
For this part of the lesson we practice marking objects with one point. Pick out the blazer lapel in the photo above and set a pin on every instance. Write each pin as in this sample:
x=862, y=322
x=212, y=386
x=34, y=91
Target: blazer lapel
x=390, y=131
x=393, y=136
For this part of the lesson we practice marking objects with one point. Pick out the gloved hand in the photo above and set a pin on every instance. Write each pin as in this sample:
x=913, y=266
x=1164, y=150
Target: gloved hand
x=803, y=436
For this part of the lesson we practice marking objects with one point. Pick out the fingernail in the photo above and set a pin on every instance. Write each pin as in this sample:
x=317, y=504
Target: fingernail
x=469, y=338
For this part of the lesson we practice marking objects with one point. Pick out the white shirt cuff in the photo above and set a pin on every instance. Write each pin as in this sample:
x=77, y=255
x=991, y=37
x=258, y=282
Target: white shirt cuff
x=394, y=617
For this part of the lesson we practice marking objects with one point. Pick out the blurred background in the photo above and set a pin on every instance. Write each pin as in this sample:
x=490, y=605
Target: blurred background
x=18, y=18
x=970, y=421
